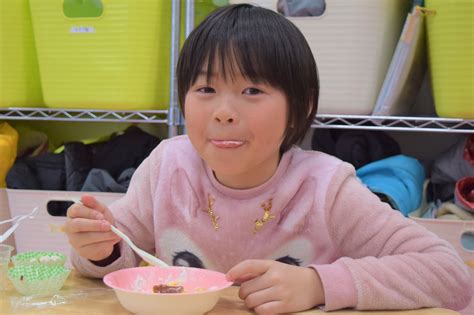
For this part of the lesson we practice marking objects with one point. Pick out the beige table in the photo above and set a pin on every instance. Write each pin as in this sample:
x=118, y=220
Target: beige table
x=107, y=303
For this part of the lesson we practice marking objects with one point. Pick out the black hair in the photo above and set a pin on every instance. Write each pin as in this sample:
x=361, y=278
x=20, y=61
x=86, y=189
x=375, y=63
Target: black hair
x=266, y=47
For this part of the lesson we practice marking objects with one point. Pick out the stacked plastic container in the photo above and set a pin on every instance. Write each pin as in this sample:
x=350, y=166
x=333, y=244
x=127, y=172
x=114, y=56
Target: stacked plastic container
x=19, y=78
x=353, y=43
x=107, y=54
x=450, y=29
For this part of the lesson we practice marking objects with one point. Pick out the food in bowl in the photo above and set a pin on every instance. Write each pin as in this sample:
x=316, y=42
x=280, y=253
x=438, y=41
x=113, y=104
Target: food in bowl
x=163, y=288
x=134, y=289
x=39, y=258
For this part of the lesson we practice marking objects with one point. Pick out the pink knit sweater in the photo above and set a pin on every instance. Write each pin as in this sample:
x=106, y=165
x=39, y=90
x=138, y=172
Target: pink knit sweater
x=367, y=255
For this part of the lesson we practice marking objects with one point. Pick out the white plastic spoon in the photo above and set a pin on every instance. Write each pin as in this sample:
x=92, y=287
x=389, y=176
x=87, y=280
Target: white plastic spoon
x=152, y=260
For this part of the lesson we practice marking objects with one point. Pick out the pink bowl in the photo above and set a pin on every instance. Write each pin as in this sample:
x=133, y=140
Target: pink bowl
x=134, y=289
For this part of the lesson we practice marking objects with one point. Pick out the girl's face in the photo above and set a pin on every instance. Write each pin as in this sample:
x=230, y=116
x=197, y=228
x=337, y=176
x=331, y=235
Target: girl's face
x=236, y=127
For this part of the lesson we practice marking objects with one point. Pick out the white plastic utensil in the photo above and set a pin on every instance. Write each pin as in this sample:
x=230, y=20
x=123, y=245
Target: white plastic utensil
x=152, y=260
x=16, y=223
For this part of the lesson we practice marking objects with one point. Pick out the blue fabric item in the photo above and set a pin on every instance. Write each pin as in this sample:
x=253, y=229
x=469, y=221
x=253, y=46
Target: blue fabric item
x=398, y=177
x=467, y=240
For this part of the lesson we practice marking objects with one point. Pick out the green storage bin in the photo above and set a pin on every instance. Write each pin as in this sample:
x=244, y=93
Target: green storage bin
x=109, y=54
x=451, y=56
x=104, y=54
x=19, y=77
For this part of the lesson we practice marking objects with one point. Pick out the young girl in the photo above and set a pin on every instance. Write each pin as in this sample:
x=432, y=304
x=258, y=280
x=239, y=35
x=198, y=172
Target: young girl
x=295, y=228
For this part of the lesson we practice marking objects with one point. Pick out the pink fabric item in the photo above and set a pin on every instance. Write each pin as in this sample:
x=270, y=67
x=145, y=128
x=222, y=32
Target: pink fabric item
x=367, y=255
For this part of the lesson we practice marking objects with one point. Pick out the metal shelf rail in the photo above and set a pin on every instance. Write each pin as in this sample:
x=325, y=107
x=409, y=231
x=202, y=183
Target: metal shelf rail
x=395, y=123
x=49, y=114
x=389, y=123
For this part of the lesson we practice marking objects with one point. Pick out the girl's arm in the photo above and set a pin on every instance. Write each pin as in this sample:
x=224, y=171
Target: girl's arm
x=134, y=216
x=387, y=261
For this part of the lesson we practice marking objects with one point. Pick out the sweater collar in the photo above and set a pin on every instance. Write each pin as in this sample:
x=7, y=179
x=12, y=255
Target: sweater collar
x=255, y=191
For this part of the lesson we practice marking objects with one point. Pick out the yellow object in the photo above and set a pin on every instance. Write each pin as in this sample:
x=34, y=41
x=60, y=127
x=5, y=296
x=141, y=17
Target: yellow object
x=107, y=54
x=143, y=264
x=118, y=60
x=8, y=147
x=451, y=52
x=19, y=76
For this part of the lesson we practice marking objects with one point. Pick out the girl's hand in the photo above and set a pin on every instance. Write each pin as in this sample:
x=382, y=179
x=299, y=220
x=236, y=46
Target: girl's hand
x=88, y=229
x=271, y=287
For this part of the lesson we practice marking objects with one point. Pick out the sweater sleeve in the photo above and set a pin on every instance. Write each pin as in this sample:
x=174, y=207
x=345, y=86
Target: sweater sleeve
x=387, y=261
x=134, y=216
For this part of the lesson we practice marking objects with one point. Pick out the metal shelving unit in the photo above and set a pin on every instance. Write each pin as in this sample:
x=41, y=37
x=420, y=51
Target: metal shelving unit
x=173, y=118
x=388, y=123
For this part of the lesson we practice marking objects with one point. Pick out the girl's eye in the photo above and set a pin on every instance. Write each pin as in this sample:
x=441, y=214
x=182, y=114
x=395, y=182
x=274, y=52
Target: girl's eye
x=252, y=91
x=206, y=90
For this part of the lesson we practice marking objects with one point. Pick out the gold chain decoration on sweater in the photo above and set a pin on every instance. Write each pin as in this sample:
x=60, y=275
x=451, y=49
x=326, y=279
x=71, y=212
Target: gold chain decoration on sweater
x=267, y=207
x=214, y=218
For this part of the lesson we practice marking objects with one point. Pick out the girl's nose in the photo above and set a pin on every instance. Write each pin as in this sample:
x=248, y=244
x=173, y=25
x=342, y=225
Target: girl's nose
x=225, y=119
x=225, y=114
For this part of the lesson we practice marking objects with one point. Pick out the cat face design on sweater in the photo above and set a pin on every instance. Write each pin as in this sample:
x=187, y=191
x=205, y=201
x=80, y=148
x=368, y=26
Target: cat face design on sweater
x=177, y=248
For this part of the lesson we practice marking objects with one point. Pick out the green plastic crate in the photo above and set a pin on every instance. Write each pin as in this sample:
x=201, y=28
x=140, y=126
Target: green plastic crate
x=451, y=56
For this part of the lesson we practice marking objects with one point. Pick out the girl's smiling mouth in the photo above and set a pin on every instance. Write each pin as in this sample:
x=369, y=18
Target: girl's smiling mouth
x=227, y=144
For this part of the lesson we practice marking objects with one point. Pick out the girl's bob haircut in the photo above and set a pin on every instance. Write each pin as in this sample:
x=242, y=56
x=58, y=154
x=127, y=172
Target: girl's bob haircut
x=262, y=46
